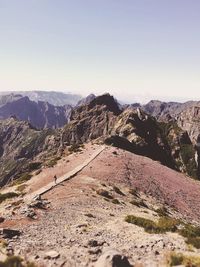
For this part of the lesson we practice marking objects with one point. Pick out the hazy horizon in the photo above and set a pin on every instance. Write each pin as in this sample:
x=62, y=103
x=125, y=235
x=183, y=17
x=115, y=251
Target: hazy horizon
x=142, y=99
x=135, y=50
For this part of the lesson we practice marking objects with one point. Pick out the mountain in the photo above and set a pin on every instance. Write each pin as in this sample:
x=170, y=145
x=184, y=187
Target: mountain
x=39, y=114
x=132, y=130
x=53, y=98
x=118, y=186
x=166, y=110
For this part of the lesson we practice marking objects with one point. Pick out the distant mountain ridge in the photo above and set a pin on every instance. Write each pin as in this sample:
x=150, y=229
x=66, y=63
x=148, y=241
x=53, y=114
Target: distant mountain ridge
x=52, y=97
x=40, y=114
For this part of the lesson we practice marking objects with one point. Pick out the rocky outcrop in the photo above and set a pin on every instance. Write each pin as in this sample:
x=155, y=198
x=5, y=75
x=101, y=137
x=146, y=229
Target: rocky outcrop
x=91, y=121
x=112, y=258
x=140, y=133
x=165, y=111
x=39, y=114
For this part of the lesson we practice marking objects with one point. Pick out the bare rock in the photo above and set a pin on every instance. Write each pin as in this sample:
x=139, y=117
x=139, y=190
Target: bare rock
x=9, y=233
x=52, y=254
x=112, y=258
x=2, y=219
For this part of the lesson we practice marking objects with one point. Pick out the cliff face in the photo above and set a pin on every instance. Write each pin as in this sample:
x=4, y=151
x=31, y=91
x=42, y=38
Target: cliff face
x=40, y=115
x=91, y=121
x=164, y=142
x=19, y=144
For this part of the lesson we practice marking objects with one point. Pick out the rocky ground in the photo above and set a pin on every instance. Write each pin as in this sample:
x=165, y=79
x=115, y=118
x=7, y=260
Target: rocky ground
x=79, y=219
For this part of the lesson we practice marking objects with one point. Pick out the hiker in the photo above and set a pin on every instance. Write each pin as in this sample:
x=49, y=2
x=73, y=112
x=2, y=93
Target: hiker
x=55, y=179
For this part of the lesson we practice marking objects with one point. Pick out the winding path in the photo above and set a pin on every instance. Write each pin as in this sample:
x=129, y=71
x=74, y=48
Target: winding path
x=66, y=176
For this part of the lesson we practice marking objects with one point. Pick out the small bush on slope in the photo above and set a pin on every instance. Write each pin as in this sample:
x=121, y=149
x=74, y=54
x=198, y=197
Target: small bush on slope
x=167, y=224
x=15, y=261
x=8, y=195
x=164, y=224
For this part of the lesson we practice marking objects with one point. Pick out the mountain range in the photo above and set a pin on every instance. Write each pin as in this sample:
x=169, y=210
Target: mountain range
x=100, y=176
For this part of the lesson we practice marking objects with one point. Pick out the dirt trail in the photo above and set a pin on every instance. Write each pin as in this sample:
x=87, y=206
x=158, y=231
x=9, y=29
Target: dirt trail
x=65, y=177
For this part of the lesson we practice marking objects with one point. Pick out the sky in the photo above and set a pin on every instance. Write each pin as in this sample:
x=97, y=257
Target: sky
x=135, y=49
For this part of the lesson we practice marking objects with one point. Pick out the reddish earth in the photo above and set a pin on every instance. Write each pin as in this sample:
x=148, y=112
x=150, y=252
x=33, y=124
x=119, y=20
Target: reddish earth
x=163, y=183
x=78, y=214
x=116, y=166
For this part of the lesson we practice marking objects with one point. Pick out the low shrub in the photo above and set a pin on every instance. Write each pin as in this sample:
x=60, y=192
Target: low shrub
x=192, y=234
x=15, y=261
x=104, y=193
x=139, y=203
x=75, y=148
x=118, y=191
x=22, y=179
x=177, y=259
x=133, y=191
x=115, y=201
x=8, y=195
x=52, y=162
x=162, y=211
x=164, y=224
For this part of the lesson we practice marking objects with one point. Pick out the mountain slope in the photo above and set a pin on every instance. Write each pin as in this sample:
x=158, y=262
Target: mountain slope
x=40, y=115
x=86, y=215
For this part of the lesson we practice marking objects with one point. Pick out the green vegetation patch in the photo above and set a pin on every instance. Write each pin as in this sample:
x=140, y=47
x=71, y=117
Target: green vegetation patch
x=8, y=195
x=23, y=178
x=164, y=224
x=192, y=233
x=52, y=162
x=115, y=201
x=188, y=156
x=74, y=148
x=15, y=261
x=139, y=203
x=177, y=259
x=167, y=224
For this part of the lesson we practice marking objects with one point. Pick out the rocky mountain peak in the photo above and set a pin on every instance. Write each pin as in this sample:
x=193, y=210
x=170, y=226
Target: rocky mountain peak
x=108, y=101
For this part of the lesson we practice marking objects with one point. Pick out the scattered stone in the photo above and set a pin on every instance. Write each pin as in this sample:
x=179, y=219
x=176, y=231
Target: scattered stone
x=52, y=254
x=94, y=251
x=89, y=215
x=112, y=258
x=2, y=219
x=9, y=233
x=39, y=203
x=81, y=225
x=93, y=243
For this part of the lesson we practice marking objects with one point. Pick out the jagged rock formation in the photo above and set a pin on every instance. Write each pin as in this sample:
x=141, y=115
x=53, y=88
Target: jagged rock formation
x=91, y=121
x=40, y=115
x=86, y=100
x=164, y=111
x=131, y=130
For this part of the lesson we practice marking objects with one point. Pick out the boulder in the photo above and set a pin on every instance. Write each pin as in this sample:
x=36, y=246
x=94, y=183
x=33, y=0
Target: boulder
x=52, y=254
x=112, y=258
x=9, y=233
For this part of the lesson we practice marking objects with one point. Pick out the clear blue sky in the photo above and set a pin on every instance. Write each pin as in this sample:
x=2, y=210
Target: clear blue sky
x=144, y=48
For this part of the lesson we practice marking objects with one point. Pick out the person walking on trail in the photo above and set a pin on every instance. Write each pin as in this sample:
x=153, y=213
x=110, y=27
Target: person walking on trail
x=55, y=179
